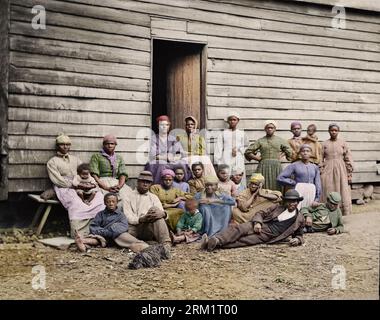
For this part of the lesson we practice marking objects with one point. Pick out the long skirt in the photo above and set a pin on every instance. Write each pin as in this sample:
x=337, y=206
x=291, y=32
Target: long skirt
x=334, y=178
x=76, y=208
x=270, y=169
x=174, y=214
x=123, y=192
x=215, y=218
x=307, y=191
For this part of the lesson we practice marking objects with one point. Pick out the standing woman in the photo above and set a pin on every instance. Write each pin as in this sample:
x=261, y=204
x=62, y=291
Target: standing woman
x=303, y=176
x=337, y=168
x=165, y=151
x=194, y=146
x=61, y=169
x=230, y=147
x=271, y=148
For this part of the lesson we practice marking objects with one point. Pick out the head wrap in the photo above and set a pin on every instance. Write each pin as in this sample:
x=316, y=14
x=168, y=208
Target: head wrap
x=211, y=180
x=295, y=123
x=62, y=139
x=110, y=138
x=271, y=122
x=257, y=178
x=237, y=171
x=193, y=119
x=305, y=146
x=163, y=118
x=232, y=114
x=167, y=172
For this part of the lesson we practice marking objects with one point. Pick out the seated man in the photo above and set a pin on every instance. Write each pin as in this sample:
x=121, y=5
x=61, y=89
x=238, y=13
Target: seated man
x=145, y=214
x=325, y=217
x=253, y=199
x=272, y=225
x=109, y=225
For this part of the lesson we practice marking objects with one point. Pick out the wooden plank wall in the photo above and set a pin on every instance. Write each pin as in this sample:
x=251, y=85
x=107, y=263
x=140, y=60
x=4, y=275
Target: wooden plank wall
x=88, y=74
x=4, y=72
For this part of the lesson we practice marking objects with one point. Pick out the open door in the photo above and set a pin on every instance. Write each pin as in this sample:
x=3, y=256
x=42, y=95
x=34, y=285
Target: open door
x=178, y=82
x=4, y=71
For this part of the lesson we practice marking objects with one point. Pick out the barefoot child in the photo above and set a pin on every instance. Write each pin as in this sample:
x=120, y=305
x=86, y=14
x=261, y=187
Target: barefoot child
x=197, y=184
x=109, y=225
x=225, y=184
x=189, y=225
x=84, y=177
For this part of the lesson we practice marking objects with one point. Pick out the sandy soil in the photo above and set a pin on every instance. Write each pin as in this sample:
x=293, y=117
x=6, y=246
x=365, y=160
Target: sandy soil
x=260, y=272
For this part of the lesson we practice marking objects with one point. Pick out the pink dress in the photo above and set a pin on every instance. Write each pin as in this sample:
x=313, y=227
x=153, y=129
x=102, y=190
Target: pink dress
x=336, y=167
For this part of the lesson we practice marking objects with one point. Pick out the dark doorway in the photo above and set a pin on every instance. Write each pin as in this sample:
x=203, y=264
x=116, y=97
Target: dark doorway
x=179, y=70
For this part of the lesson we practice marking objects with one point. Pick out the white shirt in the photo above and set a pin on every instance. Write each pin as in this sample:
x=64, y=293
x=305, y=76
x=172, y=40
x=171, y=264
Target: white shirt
x=136, y=205
x=286, y=215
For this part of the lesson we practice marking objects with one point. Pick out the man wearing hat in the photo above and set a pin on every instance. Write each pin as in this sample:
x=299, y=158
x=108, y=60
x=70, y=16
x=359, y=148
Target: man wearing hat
x=144, y=211
x=271, y=225
x=253, y=199
x=326, y=217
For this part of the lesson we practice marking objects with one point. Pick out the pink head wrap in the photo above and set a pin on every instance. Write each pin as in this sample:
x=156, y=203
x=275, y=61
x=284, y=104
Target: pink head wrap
x=167, y=172
x=295, y=123
x=109, y=138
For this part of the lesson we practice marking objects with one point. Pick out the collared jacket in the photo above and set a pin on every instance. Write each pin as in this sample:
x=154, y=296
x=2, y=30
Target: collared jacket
x=271, y=213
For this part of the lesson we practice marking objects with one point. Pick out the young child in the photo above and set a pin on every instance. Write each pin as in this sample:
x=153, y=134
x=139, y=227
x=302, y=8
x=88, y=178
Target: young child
x=84, y=177
x=178, y=180
x=225, y=184
x=237, y=177
x=316, y=147
x=197, y=184
x=109, y=225
x=189, y=225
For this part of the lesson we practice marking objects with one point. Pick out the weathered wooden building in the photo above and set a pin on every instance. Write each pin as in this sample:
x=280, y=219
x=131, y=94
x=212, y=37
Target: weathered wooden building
x=112, y=66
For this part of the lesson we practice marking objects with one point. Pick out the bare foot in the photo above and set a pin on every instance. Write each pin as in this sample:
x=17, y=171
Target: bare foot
x=79, y=242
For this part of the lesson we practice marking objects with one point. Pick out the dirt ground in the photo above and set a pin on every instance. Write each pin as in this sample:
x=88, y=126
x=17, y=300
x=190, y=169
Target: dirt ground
x=260, y=272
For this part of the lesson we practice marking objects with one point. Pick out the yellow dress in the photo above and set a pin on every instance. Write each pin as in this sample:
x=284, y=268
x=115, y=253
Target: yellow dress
x=167, y=197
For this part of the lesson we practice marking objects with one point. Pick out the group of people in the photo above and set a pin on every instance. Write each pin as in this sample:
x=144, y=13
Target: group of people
x=183, y=196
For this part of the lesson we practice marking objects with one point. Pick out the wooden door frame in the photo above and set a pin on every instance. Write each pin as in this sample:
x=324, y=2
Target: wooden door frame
x=4, y=75
x=203, y=89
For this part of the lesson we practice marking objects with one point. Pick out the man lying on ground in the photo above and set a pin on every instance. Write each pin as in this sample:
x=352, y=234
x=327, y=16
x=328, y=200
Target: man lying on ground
x=325, y=217
x=271, y=225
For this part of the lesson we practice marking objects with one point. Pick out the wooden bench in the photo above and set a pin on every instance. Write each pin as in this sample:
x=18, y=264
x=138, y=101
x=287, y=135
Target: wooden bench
x=45, y=207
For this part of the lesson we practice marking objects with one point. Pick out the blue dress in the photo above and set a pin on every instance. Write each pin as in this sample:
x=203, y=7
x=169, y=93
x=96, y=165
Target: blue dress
x=215, y=216
x=298, y=172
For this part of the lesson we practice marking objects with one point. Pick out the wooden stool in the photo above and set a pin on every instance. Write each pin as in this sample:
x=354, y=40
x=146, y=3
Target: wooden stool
x=45, y=206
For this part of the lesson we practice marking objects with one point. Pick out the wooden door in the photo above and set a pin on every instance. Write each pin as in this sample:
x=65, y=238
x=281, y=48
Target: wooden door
x=184, y=85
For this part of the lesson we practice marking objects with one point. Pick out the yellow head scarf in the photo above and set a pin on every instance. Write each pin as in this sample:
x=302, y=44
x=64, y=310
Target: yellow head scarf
x=257, y=178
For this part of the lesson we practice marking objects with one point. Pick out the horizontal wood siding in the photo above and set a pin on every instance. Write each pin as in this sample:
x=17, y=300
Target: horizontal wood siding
x=88, y=74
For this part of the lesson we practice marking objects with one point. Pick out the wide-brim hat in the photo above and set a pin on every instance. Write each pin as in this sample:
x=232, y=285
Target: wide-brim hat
x=145, y=176
x=292, y=195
